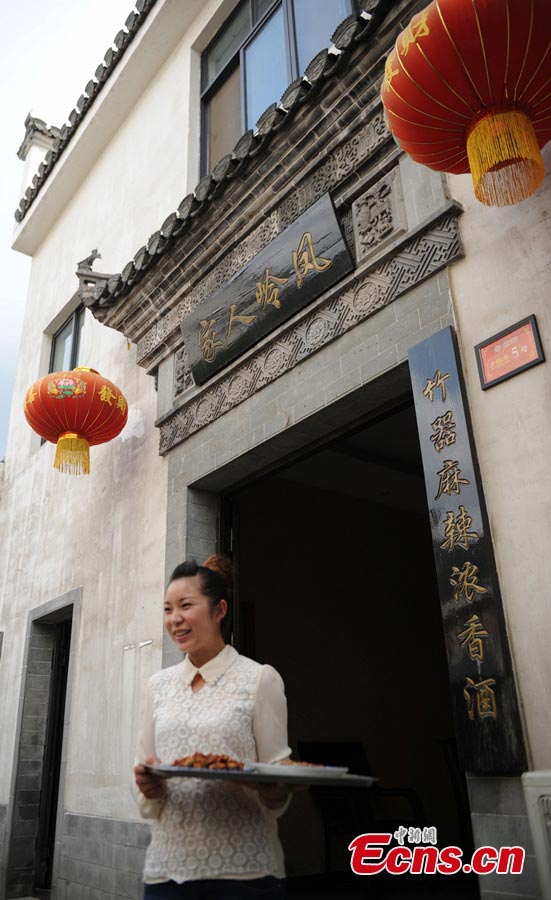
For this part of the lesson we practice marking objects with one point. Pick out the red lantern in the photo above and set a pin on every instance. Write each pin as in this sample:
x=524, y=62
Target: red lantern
x=75, y=410
x=468, y=88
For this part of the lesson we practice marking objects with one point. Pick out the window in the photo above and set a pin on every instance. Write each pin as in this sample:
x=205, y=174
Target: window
x=261, y=48
x=66, y=343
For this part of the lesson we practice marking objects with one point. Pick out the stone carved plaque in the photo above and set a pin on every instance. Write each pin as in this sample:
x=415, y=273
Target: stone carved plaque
x=183, y=378
x=379, y=215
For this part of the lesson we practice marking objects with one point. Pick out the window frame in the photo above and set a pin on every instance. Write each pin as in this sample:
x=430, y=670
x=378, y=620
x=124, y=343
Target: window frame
x=77, y=320
x=238, y=59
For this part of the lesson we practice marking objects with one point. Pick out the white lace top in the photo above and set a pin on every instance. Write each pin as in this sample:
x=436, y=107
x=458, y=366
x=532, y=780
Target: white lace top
x=209, y=829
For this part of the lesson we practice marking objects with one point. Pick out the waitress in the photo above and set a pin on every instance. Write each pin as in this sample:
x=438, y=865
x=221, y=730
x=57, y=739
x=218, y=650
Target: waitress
x=210, y=840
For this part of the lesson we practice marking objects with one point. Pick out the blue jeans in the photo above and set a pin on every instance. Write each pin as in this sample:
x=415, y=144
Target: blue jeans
x=268, y=888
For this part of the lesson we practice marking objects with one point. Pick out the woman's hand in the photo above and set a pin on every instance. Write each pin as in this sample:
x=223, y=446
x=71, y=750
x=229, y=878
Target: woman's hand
x=151, y=786
x=273, y=796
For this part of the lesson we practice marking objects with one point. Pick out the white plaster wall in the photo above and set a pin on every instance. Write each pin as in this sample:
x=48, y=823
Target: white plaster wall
x=506, y=276
x=104, y=533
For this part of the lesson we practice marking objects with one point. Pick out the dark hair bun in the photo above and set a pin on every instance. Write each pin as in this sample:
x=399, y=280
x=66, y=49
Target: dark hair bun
x=223, y=566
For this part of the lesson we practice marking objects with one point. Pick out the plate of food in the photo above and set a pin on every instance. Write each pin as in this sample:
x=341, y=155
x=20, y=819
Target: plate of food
x=197, y=765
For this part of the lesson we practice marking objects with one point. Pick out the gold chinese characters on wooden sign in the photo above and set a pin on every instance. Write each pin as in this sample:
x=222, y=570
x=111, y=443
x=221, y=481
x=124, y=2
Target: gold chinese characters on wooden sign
x=487, y=720
x=295, y=268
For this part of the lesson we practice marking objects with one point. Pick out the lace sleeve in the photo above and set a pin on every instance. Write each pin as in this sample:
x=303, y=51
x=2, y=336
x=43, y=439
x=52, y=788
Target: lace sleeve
x=149, y=809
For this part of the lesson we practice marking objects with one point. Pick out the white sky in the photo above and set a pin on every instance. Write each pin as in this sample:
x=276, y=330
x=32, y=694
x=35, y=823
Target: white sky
x=49, y=51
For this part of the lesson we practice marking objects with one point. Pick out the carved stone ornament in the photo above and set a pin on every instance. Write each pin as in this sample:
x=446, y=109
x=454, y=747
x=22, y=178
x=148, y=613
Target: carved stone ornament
x=413, y=261
x=379, y=215
x=183, y=379
x=88, y=279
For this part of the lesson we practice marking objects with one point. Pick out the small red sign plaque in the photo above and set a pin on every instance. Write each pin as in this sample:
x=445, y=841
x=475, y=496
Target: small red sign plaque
x=509, y=352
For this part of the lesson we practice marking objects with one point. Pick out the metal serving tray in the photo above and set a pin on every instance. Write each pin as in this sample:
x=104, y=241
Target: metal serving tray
x=253, y=774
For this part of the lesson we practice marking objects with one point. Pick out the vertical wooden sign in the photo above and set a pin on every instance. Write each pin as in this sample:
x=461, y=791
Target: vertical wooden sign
x=485, y=707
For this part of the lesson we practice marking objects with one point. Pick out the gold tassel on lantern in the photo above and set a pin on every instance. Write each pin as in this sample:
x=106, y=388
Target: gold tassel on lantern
x=72, y=454
x=504, y=157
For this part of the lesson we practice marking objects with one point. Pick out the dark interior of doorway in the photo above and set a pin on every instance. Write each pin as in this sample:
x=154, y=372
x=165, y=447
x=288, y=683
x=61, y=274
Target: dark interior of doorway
x=39, y=762
x=45, y=842
x=335, y=587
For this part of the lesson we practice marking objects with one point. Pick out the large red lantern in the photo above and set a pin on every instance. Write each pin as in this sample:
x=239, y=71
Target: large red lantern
x=75, y=410
x=468, y=88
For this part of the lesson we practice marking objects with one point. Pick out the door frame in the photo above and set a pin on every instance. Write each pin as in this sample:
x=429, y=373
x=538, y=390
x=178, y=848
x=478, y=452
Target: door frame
x=61, y=609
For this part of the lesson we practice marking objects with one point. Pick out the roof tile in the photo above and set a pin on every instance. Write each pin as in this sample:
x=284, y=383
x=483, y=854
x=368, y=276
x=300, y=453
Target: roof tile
x=112, y=56
x=302, y=90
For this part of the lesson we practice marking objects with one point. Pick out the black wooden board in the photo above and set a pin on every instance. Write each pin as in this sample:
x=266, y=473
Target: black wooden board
x=487, y=720
x=294, y=269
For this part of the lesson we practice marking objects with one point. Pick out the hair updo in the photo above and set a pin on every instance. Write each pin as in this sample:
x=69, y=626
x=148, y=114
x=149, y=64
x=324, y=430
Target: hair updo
x=215, y=577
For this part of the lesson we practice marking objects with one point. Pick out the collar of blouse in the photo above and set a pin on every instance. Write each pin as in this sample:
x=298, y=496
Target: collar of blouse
x=212, y=670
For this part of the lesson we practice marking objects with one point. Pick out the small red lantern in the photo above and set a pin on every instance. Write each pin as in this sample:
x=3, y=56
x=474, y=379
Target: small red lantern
x=468, y=88
x=75, y=410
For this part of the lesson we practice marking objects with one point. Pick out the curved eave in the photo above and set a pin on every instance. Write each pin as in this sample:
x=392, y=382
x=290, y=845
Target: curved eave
x=160, y=34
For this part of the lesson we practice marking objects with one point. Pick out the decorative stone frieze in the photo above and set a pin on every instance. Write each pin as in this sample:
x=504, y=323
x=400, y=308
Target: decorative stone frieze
x=416, y=259
x=379, y=215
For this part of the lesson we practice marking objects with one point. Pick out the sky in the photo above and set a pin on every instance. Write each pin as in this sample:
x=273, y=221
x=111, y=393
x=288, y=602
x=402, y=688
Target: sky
x=49, y=52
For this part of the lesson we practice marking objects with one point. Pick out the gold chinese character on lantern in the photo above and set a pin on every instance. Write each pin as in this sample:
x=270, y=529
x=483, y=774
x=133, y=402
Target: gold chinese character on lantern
x=106, y=394
x=465, y=582
x=483, y=704
x=244, y=320
x=207, y=339
x=417, y=28
x=444, y=434
x=456, y=530
x=121, y=404
x=31, y=394
x=305, y=260
x=391, y=70
x=267, y=291
x=450, y=480
x=437, y=382
x=471, y=638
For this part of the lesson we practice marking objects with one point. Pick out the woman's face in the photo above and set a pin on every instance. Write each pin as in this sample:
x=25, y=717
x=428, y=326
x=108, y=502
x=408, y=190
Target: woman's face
x=190, y=622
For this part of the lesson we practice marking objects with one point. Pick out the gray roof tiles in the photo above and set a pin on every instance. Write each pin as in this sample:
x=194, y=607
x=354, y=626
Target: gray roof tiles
x=353, y=30
x=64, y=134
x=326, y=63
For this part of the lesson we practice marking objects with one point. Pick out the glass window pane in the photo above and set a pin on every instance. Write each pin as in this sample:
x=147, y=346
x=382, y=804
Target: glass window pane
x=265, y=67
x=315, y=22
x=224, y=118
x=226, y=43
x=63, y=342
x=261, y=7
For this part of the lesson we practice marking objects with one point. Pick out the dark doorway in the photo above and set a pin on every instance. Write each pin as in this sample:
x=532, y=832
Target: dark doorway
x=39, y=761
x=336, y=588
x=52, y=757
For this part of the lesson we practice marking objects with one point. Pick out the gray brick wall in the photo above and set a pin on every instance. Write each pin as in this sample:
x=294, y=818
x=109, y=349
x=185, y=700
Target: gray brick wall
x=192, y=531
x=500, y=819
x=328, y=390
x=29, y=761
x=100, y=859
